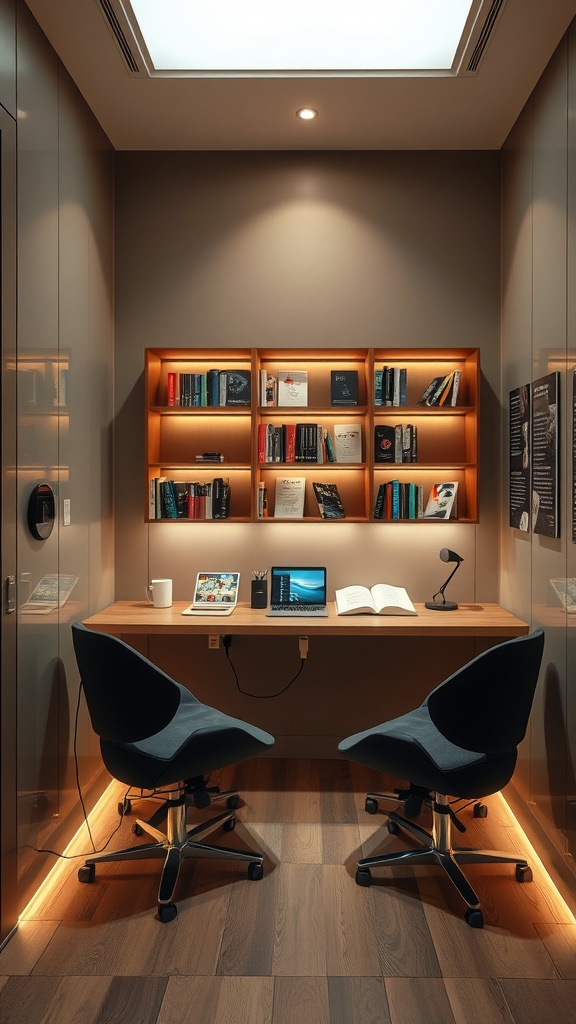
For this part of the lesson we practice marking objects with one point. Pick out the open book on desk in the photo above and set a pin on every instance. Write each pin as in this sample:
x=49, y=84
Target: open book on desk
x=381, y=599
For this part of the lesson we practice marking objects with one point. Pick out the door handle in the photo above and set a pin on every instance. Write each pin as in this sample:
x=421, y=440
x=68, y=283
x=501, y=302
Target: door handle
x=10, y=594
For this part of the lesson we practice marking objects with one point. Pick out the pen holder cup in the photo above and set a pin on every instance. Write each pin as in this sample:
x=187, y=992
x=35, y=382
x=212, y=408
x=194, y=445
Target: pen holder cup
x=259, y=594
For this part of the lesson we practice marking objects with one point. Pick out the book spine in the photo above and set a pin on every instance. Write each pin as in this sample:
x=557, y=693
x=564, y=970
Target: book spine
x=455, y=387
x=395, y=485
x=402, y=385
x=398, y=442
x=378, y=387
x=262, y=435
x=171, y=389
x=152, y=499
x=379, y=503
x=396, y=387
x=169, y=500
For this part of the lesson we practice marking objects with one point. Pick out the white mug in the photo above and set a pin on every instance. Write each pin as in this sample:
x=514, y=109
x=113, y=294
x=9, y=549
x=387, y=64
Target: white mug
x=161, y=591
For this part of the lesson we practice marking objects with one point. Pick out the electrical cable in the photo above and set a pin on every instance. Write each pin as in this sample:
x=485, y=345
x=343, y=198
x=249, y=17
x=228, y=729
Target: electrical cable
x=74, y=856
x=257, y=696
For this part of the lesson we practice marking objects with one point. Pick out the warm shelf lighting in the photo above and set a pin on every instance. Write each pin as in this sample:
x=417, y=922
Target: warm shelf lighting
x=307, y=113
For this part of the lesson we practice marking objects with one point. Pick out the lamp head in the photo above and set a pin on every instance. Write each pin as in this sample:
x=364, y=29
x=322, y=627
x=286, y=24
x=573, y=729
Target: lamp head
x=445, y=606
x=450, y=556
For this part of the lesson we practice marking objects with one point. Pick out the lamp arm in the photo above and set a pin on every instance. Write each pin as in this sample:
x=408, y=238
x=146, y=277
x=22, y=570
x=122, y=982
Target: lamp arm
x=444, y=585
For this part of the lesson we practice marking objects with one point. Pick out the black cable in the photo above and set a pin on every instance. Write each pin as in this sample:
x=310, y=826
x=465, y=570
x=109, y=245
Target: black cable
x=74, y=856
x=259, y=696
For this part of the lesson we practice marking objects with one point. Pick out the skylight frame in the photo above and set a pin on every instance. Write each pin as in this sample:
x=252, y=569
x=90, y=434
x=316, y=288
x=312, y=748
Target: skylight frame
x=241, y=69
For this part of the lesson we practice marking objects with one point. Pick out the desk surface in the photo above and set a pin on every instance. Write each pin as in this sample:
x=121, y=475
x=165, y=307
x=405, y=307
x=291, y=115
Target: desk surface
x=488, y=620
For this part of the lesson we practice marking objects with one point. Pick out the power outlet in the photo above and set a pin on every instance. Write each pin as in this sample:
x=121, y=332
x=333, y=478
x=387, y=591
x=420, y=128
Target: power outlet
x=213, y=643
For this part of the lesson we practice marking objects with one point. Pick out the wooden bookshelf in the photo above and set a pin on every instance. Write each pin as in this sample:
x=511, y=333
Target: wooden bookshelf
x=447, y=435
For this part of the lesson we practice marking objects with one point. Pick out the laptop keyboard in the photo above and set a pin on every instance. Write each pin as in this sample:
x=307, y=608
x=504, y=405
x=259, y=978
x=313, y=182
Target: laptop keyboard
x=309, y=609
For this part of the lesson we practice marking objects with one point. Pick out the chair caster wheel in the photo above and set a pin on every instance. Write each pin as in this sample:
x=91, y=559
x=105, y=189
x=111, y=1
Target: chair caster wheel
x=480, y=811
x=371, y=805
x=229, y=825
x=137, y=829
x=87, y=873
x=167, y=912
x=474, y=917
x=392, y=827
x=524, y=873
x=232, y=802
x=363, y=877
x=255, y=871
x=124, y=807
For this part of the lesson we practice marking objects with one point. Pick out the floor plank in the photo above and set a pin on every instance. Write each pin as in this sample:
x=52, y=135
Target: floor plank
x=477, y=1001
x=358, y=1001
x=301, y=1001
x=533, y=1002
x=218, y=1001
x=418, y=1001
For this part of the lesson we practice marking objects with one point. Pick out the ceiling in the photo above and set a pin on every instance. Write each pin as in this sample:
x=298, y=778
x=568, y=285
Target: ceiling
x=471, y=111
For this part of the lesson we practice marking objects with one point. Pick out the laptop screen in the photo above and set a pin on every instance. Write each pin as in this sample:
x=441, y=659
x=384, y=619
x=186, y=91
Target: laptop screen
x=297, y=586
x=216, y=588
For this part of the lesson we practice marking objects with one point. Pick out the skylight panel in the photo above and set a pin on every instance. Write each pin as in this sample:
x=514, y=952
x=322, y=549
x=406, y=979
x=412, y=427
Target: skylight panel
x=301, y=35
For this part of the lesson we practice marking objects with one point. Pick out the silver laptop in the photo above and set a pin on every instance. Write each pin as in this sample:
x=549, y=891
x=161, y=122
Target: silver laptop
x=215, y=593
x=298, y=592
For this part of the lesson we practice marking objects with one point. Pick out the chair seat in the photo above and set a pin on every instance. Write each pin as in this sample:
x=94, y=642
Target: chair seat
x=411, y=747
x=198, y=740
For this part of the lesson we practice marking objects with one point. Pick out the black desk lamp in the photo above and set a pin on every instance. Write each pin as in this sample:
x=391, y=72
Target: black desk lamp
x=446, y=606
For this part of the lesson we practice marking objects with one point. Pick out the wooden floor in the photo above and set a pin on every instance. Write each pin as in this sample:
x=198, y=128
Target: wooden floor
x=305, y=945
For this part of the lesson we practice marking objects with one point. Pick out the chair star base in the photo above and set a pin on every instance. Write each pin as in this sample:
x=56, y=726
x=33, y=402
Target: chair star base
x=436, y=848
x=175, y=844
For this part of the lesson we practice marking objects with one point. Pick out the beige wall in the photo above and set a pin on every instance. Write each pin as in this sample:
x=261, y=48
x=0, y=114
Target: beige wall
x=539, y=336
x=314, y=250
x=65, y=311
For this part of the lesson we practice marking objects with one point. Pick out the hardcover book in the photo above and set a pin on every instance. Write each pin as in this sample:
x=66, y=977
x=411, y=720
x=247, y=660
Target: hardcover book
x=440, y=504
x=347, y=442
x=344, y=387
x=289, y=498
x=238, y=389
x=383, y=443
x=329, y=501
x=293, y=387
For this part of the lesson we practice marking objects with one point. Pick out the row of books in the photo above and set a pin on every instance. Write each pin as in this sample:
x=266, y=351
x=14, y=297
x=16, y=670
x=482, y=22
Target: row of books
x=290, y=493
x=397, y=443
x=174, y=499
x=390, y=386
x=309, y=442
x=442, y=390
x=397, y=499
x=290, y=388
x=203, y=390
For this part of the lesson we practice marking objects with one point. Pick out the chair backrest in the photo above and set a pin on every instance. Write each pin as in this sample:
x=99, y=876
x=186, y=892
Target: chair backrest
x=485, y=705
x=128, y=697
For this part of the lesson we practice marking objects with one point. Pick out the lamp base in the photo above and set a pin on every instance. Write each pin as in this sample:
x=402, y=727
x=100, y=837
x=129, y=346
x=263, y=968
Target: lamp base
x=449, y=606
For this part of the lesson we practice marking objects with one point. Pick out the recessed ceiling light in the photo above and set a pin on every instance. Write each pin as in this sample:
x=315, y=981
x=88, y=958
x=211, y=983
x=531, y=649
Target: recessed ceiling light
x=307, y=113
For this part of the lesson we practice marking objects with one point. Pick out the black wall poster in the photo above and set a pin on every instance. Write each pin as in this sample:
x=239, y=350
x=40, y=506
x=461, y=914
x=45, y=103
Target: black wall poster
x=545, y=465
x=519, y=511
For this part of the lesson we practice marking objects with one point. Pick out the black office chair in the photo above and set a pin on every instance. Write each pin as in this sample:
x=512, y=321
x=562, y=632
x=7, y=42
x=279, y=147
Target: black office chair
x=462, y=741
x=156, y=736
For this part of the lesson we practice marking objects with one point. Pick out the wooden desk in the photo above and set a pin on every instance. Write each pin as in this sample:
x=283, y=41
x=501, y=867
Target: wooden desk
x=470, y=620
x=360, y=669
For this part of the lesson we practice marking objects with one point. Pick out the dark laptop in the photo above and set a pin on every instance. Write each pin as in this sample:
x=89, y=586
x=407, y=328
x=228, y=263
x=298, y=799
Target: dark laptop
x=298, y=591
